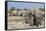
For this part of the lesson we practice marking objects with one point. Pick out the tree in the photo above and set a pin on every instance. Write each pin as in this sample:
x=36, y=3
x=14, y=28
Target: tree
x=12, y=9
x=42, y=9
x=25, y=8
x=18, y=11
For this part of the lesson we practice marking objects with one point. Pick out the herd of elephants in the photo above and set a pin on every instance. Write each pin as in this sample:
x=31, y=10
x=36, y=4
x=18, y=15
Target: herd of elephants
x=33, y=18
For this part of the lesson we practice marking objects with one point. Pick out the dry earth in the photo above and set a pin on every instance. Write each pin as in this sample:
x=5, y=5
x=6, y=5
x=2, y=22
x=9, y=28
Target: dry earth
x=17, y=22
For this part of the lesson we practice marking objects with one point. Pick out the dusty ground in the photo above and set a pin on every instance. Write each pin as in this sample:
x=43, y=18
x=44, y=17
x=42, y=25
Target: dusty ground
x=16, y=22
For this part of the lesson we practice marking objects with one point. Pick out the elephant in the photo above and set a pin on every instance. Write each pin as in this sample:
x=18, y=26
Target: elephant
x=29, y=19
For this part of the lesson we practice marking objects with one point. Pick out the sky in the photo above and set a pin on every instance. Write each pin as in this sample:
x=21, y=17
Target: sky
x=25, y=5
